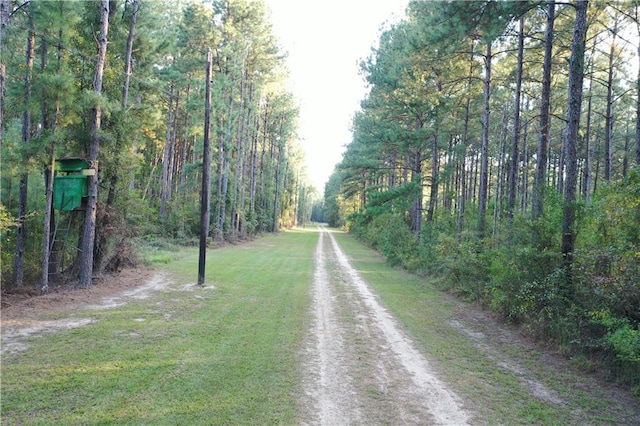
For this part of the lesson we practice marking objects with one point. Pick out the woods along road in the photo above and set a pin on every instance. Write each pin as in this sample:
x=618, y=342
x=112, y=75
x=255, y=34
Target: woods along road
x=306, y=327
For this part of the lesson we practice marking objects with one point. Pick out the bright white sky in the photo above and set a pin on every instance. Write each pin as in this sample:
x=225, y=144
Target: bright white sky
x=325, y=41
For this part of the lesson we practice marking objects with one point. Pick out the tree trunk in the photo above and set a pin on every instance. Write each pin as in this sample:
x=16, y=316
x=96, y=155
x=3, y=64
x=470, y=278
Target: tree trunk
x=576, y=75
x=433, y=193
x=88, y=237
x=5, y=10
x=596, y=158
x=484, y=154
x=165, y=194
x=638, y=108
x=525, y=166
x=276, y=199
x=21, y=238
x=540, y=181
x=588, y=172
x=637, y=21
x=103, y=227
x=608, y=142
x=253, y=173
x=129, y=52
x=625, y=159
x=515, y=149
x=48, y=214
x=501, y=172
x=48, y=124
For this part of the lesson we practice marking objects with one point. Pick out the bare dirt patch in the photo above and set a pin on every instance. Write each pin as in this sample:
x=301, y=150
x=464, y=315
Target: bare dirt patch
x=21, y=306
x=25, y=314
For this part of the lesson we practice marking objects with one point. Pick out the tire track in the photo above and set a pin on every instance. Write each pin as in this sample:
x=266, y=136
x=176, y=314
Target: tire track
x=360, y=367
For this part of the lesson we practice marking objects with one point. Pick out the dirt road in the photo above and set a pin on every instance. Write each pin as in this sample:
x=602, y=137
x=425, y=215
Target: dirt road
x=361, y=368
x=359, y=365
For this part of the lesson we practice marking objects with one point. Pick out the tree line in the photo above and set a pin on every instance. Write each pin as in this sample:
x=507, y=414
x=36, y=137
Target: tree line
x=499, y=149
x=121, y=84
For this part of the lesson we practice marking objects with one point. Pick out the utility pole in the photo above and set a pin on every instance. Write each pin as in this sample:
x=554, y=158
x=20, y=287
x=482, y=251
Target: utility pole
x=206, y=177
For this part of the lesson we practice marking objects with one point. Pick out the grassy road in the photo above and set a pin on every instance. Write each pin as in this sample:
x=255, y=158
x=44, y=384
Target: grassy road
x=231, y=352
x=225, y=354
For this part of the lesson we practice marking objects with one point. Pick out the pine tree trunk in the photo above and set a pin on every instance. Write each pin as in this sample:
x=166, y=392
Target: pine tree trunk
x=88, y=237
x=637, y=21
x=253, y=173
x=525, y=167
x=501, y=172
x=576, y=75
x=48, y=124
x=105, y=223
x=433, y=193
x=46, y=232
x=515, y=149
x=128, y=66
x=588, y=172
x=205, y=194
x=625, y=159
x=276, y=200
x=484, y=154
x=5, y=10
x=638, y=108
x=21, y=238
x=540, y=182
x=608, y=142
x=165, y=194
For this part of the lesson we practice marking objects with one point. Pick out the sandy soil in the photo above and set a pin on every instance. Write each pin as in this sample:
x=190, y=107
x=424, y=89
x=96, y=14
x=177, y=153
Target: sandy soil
x=25, y=314
x=360, y=367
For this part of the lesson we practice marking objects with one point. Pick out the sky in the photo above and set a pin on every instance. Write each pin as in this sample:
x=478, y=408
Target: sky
x=325, y=40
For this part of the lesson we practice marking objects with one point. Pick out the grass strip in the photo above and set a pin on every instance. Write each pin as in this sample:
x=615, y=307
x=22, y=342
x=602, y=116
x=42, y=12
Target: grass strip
x=223, y=354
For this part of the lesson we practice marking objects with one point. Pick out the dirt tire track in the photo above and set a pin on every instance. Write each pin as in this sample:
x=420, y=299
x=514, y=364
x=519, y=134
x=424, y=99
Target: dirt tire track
x=360, y=367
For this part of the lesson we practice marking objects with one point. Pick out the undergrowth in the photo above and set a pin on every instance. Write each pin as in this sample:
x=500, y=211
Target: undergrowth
x=589, y=309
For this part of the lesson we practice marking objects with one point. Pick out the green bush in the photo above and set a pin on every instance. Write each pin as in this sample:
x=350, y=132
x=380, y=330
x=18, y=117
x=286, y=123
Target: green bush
x=622, y=339
x=520, y=282
x=390, y=234
x=464, y=266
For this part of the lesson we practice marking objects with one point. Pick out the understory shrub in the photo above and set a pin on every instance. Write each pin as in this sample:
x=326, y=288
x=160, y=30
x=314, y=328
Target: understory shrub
x=464, y=266
x=522, y=282
x=390, y=234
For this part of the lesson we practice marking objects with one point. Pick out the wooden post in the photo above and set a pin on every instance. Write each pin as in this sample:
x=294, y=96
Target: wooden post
x=205, y=213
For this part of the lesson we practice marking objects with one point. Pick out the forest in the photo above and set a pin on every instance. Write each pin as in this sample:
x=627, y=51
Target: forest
x=112, y=97
x=498, y=152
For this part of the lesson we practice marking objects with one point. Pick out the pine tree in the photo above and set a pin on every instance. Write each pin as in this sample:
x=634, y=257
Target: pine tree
x=88, y=238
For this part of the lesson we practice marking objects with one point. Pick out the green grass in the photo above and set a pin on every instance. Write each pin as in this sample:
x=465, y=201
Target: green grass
x=229, y=353
x=223, y=354
x=495, y=394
